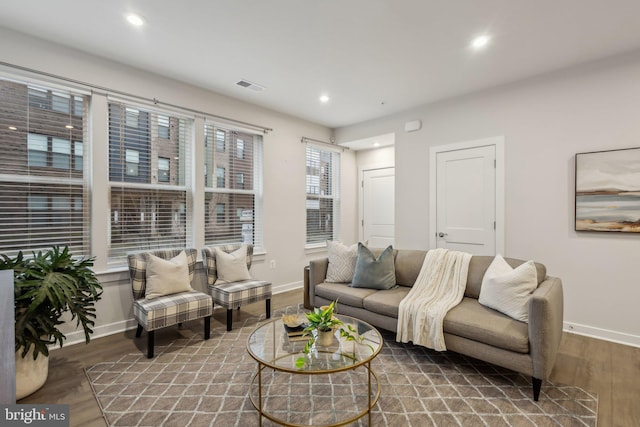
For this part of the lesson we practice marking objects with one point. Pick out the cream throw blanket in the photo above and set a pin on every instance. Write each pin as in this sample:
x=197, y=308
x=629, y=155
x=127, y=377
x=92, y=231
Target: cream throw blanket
x=439, y=287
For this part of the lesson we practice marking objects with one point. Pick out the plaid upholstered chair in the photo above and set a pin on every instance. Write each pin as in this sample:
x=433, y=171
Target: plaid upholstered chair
x=242, y=288
x=166, y=310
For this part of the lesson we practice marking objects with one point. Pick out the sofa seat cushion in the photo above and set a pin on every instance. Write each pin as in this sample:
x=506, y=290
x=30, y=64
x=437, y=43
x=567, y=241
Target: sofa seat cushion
x=343, y=294
x=471, y=320
x=386, y=302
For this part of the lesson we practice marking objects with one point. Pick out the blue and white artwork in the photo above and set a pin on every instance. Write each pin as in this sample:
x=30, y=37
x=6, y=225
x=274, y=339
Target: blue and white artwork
x=608, y=191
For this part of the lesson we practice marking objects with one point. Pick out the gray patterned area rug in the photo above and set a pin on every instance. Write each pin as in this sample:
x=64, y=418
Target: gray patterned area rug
x=192, y=382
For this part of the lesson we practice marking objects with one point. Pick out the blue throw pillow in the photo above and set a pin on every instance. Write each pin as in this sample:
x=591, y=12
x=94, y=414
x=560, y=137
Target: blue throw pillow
x=372, y=272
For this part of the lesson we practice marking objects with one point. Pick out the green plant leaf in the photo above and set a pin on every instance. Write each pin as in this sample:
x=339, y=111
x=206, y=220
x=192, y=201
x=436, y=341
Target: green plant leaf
x=47, y=285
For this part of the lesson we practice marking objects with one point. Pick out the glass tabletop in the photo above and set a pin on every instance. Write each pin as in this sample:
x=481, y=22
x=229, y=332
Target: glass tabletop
x=281, y=348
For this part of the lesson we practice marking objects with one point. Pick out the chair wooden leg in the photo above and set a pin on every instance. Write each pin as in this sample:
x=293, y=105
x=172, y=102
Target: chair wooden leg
x=207, y=327
x=537, y=385
x=229, y=318
x=268, y=306
x=150, y=343
x=139, y=331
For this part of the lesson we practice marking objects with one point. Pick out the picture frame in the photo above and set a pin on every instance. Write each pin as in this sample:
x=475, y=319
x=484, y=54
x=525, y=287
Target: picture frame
x=607, y=191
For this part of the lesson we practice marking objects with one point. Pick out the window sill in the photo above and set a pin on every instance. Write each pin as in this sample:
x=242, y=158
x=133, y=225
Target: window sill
x=315, y=248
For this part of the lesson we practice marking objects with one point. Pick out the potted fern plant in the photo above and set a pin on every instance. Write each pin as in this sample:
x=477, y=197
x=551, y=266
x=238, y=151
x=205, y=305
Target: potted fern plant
x=46, y=286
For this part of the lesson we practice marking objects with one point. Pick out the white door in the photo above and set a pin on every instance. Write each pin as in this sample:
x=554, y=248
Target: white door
x=466, y=200
x=378, y=204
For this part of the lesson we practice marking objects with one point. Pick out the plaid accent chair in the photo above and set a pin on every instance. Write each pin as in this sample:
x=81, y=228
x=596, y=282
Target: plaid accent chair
x=234, y=294
x=152, y=314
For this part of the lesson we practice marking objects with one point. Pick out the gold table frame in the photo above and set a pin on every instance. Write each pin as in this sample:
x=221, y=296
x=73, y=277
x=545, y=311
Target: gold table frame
x=275, y=357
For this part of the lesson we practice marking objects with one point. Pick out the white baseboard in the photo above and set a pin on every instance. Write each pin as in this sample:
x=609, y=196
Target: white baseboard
x=287, y=287
x=602, y=334
x=77, y=337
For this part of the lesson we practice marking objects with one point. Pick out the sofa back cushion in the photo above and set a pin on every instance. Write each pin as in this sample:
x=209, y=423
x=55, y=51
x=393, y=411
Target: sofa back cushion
x=478, y=266
x=408, y=265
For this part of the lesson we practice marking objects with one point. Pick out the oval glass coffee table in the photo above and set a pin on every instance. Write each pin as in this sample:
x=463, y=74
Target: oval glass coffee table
x=290, y=387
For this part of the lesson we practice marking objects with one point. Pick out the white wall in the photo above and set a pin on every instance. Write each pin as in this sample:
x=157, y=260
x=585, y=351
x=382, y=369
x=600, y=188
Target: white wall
x=545, y=121
x=284, y=162
x=378, y=157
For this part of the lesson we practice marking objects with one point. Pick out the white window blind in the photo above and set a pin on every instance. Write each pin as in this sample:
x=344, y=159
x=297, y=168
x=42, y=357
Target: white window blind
x=149, y=158
x=233, y=186
x=43, y=170
x=323, y=201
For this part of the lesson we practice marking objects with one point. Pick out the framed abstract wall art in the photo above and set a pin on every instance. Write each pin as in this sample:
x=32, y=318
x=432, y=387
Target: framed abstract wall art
x=608, y=191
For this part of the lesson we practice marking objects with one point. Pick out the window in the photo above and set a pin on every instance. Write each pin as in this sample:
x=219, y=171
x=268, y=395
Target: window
x=220, y=140
x=220, y=171
x=49, y=151
x=240, y=149
x=61, y=153
x=38, y=98
x=77, y=105
x=147, y=202
x=44, y=197
x=233, y=207
x=220, y=219
x=163, y=127
x=132, y=159
x=322, y=184
x=163, y=169
x=60, y=102
x=148, y=210
x=38, y=147
x=132, y=117
x=78, y=153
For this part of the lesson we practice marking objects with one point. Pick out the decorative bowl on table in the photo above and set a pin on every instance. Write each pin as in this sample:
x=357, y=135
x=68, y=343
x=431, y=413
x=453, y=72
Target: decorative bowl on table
x=292, y=320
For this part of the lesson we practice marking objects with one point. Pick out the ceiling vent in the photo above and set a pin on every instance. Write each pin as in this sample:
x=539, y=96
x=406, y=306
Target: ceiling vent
x=250, y=85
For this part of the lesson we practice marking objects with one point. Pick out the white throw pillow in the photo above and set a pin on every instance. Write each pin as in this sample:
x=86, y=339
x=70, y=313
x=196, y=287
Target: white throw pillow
x=342, y=262
x=508, y=290
x=166, y=277
x=231, y=267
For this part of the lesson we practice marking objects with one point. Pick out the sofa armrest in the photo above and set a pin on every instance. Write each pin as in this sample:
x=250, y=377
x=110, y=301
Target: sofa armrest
x=545, y=325
x=317, y=275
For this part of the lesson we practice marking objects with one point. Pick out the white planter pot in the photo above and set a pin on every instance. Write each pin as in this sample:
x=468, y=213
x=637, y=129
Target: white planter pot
x=30, y=374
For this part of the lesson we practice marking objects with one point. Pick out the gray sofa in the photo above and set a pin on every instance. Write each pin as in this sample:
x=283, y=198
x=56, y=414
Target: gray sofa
x=469, y=328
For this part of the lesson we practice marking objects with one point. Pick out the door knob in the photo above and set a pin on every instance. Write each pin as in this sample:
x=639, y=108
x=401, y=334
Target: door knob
x=441, y=234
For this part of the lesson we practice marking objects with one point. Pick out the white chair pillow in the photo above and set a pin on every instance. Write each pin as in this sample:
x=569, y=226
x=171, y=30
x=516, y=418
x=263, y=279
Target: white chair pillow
x=166, y=277
x=231, y=267
x=508, y=290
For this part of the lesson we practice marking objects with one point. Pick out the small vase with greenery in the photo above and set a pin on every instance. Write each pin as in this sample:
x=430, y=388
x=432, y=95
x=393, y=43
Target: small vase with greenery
x=46, y=286
x=322, y=321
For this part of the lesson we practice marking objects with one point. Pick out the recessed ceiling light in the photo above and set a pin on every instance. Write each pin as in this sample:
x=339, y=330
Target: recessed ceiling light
x=13, y=128
x=324, y=98
x=480, y=42
x=69, y=126
x=135, y=20
x=376, y=144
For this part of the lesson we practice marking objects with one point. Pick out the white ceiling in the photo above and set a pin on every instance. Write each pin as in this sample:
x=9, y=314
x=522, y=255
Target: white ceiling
x=372, y=57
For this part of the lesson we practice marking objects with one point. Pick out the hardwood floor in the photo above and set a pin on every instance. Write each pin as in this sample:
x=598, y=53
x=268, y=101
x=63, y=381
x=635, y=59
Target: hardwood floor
x=610, y=370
